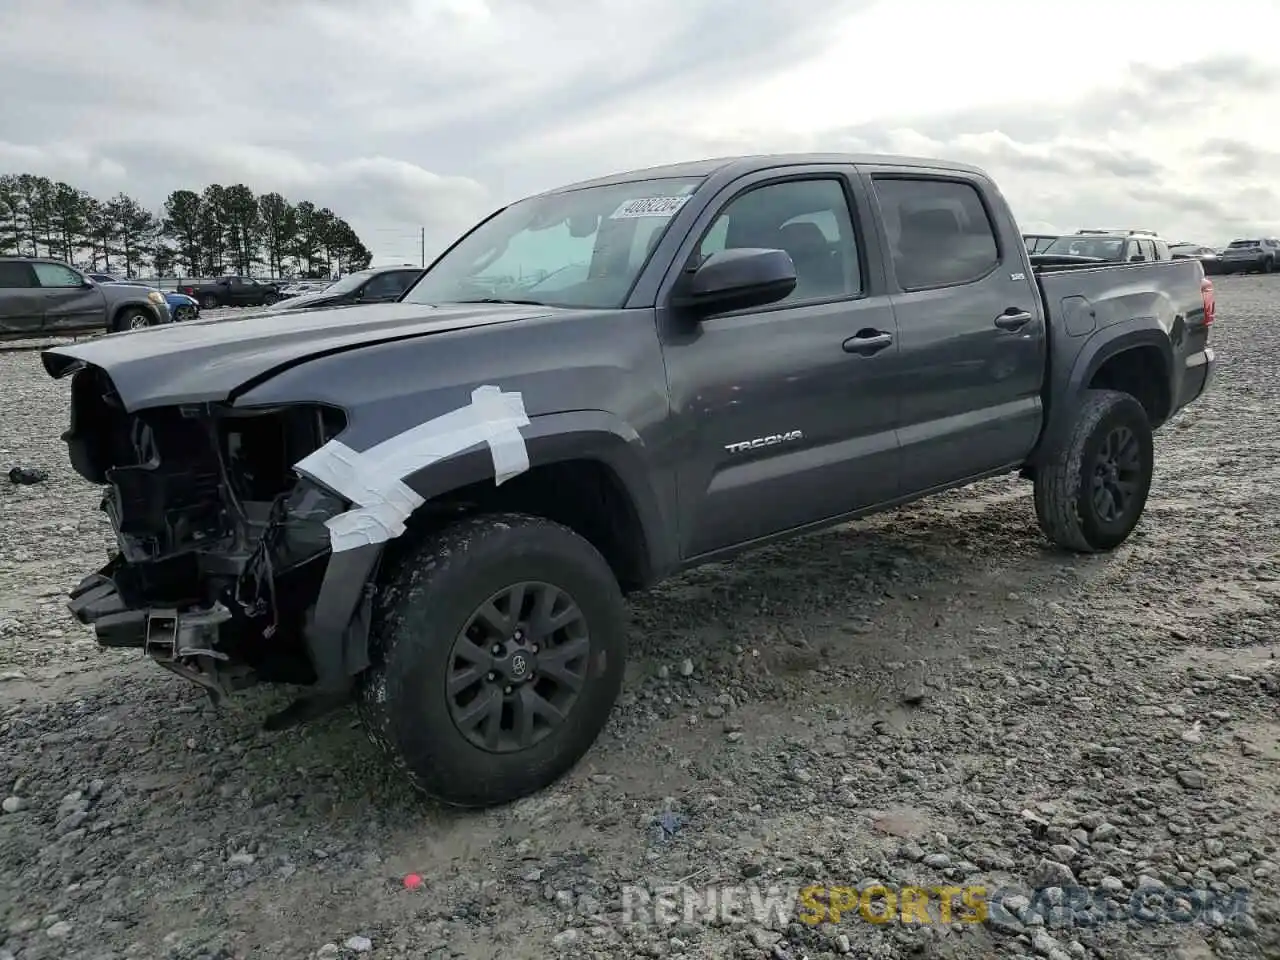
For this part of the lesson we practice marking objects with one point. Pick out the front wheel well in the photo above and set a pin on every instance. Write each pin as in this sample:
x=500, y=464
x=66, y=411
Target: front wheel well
x=1141, y=373
x=587, y=496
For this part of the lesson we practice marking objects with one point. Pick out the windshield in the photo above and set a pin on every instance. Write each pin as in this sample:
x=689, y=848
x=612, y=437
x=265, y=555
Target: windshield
x=1243, y=244
x=1104, y=248
x=581, y=248
x=352, y=281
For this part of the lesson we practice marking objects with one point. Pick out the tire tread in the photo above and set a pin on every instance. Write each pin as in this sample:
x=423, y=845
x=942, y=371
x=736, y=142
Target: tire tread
x=1057, y=485
x=411, y=588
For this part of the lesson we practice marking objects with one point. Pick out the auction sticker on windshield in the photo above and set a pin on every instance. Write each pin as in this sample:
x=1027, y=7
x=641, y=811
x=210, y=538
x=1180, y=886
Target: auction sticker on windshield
x=649, y=207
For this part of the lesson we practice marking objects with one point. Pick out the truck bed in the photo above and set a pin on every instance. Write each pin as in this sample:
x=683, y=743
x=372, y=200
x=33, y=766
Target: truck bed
x=1084, y=299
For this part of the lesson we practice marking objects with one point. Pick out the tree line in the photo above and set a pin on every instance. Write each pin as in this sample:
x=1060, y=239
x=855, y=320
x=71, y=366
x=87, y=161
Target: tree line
x=218, y=230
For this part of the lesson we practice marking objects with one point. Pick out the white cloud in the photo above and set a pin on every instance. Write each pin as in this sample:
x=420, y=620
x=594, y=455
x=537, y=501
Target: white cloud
x=404, y=115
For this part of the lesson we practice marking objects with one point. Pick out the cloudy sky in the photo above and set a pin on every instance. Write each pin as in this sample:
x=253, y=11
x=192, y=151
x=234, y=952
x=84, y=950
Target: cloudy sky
x=403, y=114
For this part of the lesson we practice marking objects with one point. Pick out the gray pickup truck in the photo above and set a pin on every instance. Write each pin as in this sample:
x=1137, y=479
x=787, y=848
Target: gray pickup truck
x=230, y=292
x=39, y=297
x=435, y=507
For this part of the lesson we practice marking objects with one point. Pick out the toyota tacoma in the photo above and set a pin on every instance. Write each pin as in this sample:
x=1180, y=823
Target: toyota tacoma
x=436, y=507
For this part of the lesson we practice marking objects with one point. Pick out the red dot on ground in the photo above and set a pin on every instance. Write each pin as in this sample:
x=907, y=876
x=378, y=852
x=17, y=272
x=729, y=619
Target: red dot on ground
x=412, y=881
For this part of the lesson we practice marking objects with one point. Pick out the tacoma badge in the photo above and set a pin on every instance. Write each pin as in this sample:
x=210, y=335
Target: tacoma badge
x=769, y=441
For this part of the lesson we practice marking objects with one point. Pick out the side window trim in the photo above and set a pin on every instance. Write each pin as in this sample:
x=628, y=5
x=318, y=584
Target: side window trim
x=956, y=179
x=858, y=236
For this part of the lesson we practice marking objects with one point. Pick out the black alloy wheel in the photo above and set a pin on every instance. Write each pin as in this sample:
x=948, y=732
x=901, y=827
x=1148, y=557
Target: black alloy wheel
x=1117, y=475
x=516, y=669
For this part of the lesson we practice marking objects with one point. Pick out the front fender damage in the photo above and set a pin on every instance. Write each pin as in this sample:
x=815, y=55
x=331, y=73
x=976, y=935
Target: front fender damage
x=249, y=541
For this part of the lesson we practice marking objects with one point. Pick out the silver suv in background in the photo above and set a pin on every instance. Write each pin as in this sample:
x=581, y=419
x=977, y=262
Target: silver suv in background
x=1247, y=256
x=1113, y=246
x=40, y=296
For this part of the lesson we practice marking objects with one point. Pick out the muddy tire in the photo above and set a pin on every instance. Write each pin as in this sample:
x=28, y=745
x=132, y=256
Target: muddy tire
x=1091, y=493
x=208, y=302
x=498, y=649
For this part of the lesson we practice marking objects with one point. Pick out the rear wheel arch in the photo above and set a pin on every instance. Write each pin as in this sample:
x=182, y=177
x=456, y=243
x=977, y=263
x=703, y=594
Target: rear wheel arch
x=1089, y=370
x=1141, y=369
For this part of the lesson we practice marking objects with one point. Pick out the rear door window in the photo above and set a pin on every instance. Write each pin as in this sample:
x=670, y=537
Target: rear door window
x=939, y=231
x=15, y=275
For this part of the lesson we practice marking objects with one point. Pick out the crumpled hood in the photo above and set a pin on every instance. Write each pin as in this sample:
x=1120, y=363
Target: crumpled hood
x=206, y=360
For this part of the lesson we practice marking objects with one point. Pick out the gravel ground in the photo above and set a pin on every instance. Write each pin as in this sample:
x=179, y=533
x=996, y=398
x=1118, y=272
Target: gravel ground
x=931, y=697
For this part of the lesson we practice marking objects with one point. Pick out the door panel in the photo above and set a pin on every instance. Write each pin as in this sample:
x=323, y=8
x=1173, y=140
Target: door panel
x=779, y=425
x=68, y=303
x=970, y=328
x=243, y=294
x=21, y=301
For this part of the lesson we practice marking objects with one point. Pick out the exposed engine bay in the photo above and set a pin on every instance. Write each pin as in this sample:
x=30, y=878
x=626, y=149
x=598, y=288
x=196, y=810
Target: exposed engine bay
x=223, y=549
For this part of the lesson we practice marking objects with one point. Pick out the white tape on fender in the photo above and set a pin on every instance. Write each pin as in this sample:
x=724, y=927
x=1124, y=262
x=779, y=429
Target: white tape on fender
x=374, y=479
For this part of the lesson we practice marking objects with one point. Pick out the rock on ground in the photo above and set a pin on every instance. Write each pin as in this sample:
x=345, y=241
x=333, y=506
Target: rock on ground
x=931, y=698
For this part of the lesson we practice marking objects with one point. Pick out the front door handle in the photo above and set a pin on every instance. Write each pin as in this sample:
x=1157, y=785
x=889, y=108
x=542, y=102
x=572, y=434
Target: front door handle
x=868, y=342
x=1013, y=319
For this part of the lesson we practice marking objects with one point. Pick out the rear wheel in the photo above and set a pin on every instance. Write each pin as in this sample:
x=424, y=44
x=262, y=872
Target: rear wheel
x=1268, y=265
x=208, y=302
x=1091, y=493
x=498, y=651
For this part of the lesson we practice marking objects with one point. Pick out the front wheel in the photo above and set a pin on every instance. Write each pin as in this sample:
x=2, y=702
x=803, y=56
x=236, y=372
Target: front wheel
x=1091, y=492
x=270, y=298
x=1268, y=265
x=134, y=319
x=498, y=651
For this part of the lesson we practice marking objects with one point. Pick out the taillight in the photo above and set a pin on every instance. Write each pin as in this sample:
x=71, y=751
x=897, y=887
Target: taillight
x=1206, y=295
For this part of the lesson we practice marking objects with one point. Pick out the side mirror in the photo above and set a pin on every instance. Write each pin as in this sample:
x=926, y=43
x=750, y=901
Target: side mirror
x=1136, y=258
x=737, y=280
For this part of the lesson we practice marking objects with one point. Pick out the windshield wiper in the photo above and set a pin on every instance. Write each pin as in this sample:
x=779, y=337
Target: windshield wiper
x=527, y=303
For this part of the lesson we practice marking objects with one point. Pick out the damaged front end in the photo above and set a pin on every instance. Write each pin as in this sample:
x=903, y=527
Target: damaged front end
x=224, y=573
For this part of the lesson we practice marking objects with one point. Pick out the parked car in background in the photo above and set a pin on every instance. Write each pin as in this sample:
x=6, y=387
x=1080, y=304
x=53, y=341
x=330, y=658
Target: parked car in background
x=1209, y=258
x=1038, y=242
x=45, y=296
x=297, y=288
x=181, y=307
x=379, y=285
x=1127, y=246
x=436, y=506
x=1251, y=256
x=234, y=291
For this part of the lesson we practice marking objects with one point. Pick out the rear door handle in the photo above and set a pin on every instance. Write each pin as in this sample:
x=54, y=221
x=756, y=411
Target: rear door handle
x=1013, y=319
x=867, y=342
